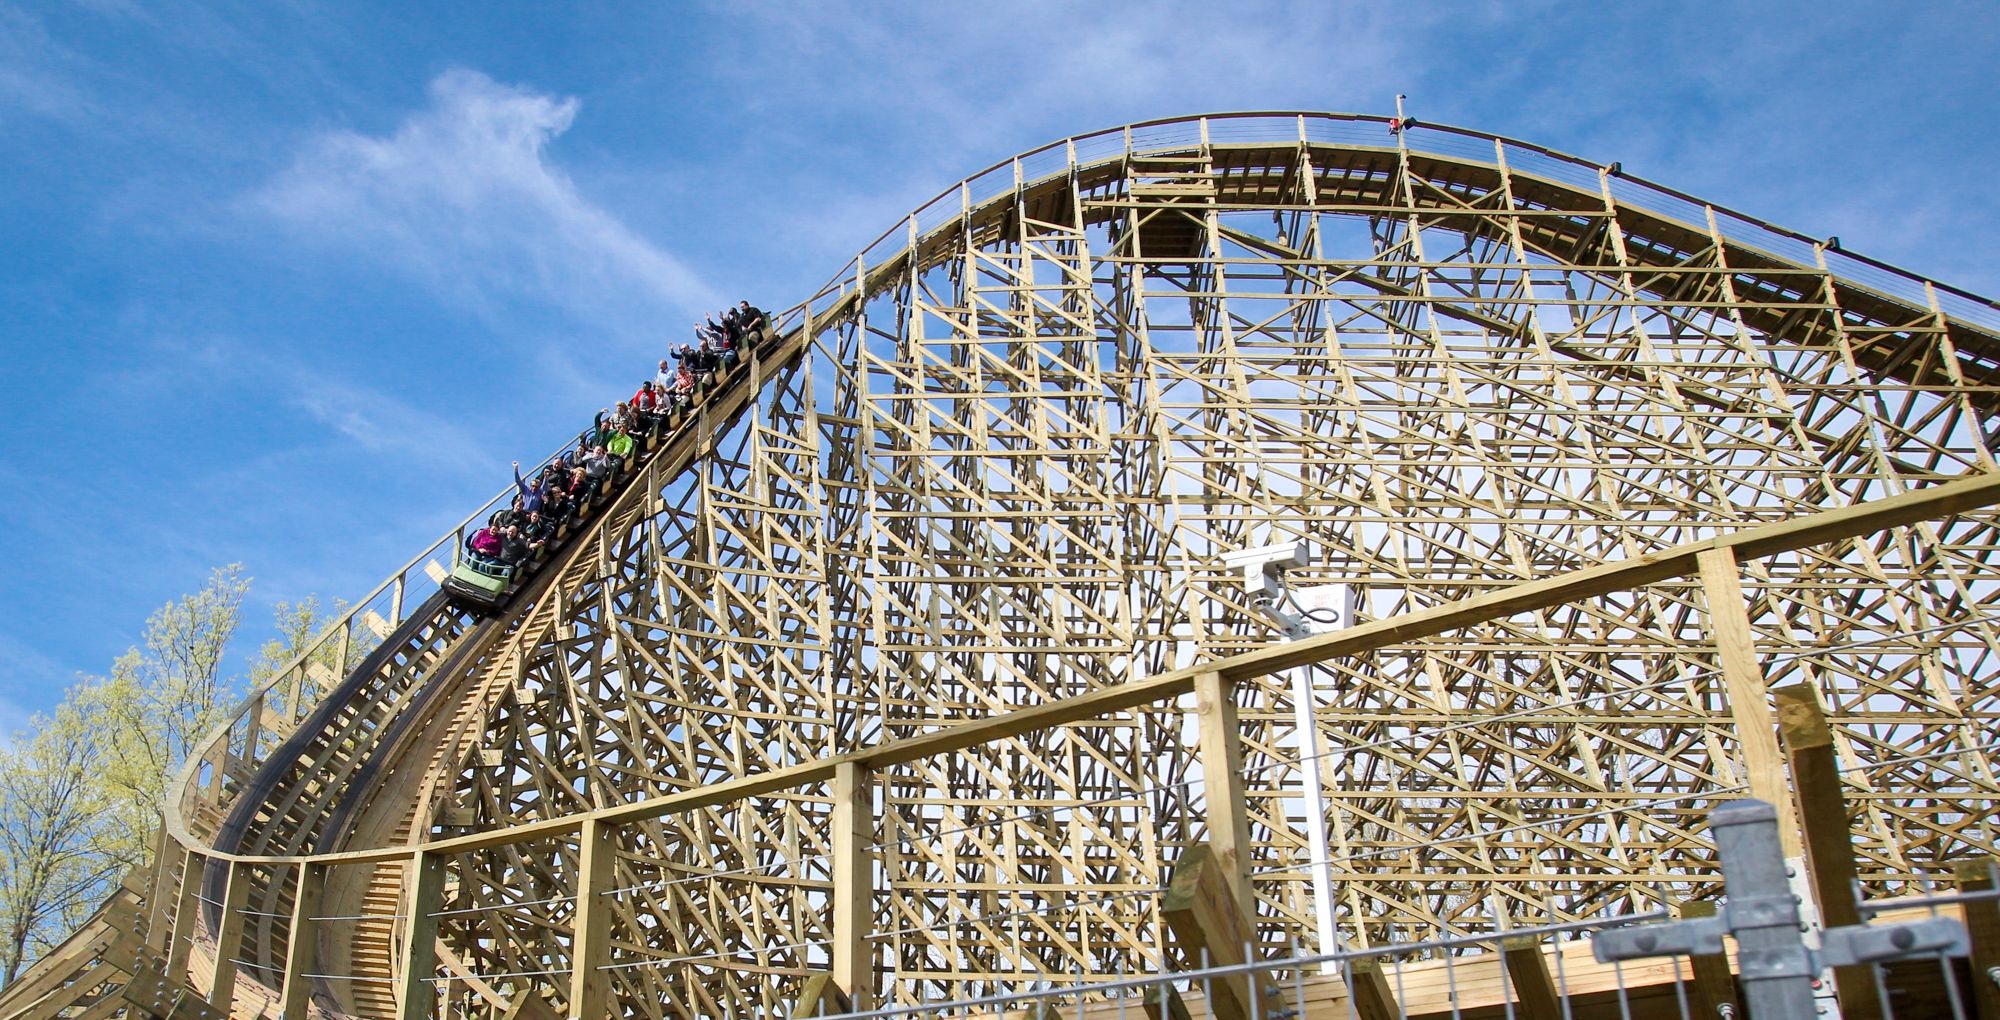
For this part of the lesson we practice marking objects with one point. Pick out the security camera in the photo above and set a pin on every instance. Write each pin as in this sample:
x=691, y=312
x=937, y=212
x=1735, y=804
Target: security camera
x=1263, y=567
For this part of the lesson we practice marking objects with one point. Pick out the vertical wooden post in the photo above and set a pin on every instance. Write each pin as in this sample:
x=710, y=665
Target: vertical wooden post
x=300, y=945
x=1829, y=842
x=1368, y=991
x=159, y=916
x=229, y=935
x=1528, y=972
x=1713, y=989
x=853, y=884
x=589, y=988
x=187, y=916
x=416, y=994
x=1749, y=699
x=1982, y=925
x=1213, y=930
x=1222, y=776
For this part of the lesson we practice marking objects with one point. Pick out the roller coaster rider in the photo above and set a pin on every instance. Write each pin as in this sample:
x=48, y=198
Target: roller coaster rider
x=516, y=539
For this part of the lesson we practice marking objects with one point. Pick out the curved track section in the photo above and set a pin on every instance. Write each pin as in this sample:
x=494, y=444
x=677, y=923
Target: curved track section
x=983, y=486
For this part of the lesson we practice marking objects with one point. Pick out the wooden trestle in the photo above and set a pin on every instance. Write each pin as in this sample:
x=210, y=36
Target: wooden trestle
x=907, y=670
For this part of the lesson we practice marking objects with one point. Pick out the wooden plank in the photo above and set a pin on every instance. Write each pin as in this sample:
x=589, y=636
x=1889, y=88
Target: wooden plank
x=1828, y=839
x=589, y=985
x=853, y=884
x=1535, y=994
x=229, y=935
x=187, y=916
x=1982, y=924
x=160, y=894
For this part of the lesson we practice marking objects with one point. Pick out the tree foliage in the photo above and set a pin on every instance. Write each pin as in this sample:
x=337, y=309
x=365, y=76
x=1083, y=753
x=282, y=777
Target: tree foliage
x=162, y=697
x=82, y=791
x=53, y=826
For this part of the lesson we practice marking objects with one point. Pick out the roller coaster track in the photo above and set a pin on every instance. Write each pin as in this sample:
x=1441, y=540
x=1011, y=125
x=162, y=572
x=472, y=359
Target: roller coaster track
x=982, y=476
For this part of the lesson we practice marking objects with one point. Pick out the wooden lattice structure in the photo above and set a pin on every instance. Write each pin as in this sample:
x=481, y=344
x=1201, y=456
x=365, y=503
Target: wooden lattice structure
x=915, y=663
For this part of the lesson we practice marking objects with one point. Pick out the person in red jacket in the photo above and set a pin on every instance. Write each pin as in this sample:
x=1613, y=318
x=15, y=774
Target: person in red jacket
x=485, y=543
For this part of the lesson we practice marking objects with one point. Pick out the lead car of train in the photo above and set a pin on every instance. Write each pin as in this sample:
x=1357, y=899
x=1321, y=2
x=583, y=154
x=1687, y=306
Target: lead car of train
x=485, y=586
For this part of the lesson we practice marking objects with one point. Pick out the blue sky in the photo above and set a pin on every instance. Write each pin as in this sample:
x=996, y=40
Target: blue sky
x=288, y=284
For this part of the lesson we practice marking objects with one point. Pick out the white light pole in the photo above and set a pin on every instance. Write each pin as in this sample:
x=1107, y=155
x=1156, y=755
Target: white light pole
x=1325, y=608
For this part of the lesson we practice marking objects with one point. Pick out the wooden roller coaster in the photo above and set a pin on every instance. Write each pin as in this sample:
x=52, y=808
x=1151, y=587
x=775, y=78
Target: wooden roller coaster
x=907, y=668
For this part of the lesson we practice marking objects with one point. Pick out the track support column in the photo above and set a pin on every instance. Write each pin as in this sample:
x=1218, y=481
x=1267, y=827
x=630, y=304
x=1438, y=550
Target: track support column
x=416, y=994
x=589, y=985
x=300, y=945
x=853, y=884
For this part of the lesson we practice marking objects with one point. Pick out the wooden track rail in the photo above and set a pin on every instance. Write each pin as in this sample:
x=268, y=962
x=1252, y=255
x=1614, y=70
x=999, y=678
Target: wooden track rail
x=909, y=662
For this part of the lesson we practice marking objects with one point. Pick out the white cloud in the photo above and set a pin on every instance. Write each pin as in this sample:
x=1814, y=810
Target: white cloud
x=36, y=72
x=464, y=195
x=381, y=424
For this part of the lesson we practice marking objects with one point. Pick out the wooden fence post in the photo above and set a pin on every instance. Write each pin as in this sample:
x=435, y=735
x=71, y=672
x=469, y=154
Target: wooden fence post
x=1982, y=924
x=1829, y=840
x=853, y=884
x=300, y=947
x=416, y=997
x=590, y=950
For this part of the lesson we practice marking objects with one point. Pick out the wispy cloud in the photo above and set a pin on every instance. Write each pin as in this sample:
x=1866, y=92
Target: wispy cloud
x=36, y=72
x=463, y=193
x=882, y=125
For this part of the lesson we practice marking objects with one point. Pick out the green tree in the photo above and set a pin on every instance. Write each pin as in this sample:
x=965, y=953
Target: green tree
x=163, y=697
x=82, y=792
x=298, y=623
x=52, y=822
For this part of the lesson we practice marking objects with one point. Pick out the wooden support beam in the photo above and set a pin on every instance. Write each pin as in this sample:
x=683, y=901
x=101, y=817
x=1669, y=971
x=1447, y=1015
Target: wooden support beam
x=1368, y=989
x=589, y=986
x=229, y=935
x=1040, y=1009
x=1221, y=739
x=853, y=884
x=1829, y=842
x=821, y=997
x=1212, y=929
x=295, y=994
x=416, y=993
x=1535, y=994
x=160, y=894
x=1164, y=1002
x=1712, y=991
x=187, y=917
x=1749, y=691
x=1982, y=923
